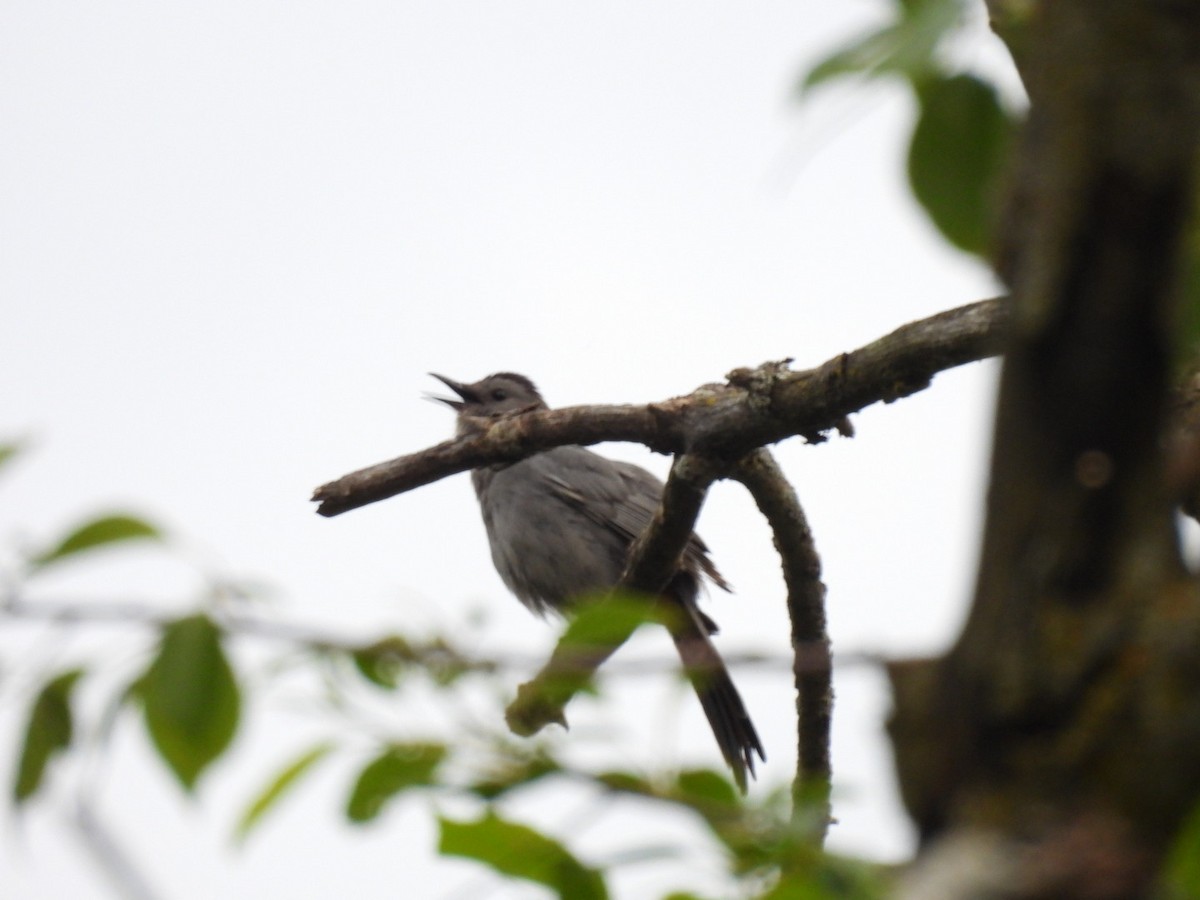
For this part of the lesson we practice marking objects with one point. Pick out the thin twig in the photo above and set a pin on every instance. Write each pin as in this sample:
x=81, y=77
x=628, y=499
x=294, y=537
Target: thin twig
x=419, y=652
x=112, y=859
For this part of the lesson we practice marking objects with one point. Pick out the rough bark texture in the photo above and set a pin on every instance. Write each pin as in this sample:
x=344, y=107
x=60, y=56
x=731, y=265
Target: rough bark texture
x=1071, y=702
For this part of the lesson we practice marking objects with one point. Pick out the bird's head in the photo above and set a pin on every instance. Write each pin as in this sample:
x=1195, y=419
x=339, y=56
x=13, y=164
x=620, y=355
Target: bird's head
x=503, y=392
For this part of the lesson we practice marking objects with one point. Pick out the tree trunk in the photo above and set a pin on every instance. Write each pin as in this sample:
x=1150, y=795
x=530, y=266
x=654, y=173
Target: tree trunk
x=1064, y=725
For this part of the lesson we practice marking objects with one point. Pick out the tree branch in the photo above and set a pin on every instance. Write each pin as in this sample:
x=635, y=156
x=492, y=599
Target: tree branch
x=431, y=653
x=724, y=422
x=812, y=669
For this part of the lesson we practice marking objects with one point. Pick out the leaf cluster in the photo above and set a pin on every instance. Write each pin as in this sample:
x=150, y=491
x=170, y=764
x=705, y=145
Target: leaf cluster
x=963, y=132
x=189, y=696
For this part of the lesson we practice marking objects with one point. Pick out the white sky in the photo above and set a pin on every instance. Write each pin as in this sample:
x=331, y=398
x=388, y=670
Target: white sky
x=234, y=236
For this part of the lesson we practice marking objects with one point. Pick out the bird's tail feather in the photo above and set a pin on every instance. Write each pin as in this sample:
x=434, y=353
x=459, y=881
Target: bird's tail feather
x=719, y=697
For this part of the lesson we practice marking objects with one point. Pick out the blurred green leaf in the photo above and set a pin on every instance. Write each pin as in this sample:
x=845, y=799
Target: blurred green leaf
x=826, y=877
x=9, y=450
x=702, y=790
x=905, y=46
x=599, y=627
x=385, y=662
x=382, y=662
x=513, y=774
x=760, y=837
x=400, y=767
x=797, y=887
x=627, y=782
x=520, y=852
x=957, y=155
x=48, y=733
x=1182, y=871
x=697, y=786
x=748, y=834
x=287, y=778
x=191, y=697
x=96, y=533
x=608, y=621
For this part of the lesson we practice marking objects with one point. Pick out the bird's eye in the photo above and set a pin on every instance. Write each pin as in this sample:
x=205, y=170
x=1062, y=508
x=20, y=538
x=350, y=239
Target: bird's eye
x=498, y=394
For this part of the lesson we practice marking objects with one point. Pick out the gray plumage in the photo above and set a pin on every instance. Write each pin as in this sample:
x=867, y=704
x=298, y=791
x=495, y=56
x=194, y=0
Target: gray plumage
x=560, y=525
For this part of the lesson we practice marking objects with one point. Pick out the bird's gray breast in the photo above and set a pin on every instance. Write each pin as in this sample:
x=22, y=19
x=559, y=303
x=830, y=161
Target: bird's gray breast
x=560, y=523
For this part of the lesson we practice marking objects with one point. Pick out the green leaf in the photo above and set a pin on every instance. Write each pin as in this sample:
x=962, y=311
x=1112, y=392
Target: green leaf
x=609, y=619
x=626, y=782
x=1182, y=871
x=49, y=732
x=905, y=46
x=96, y=533
x=825, y=876
x=705, y=787
x=387, y=661
x=191, y=697
x=598, y=628
x=287, y=778
x=797, y=887
x=593, y=634
x=520, y=852
x=957, y=155
x=382, y=663
x=513, y=774
x=400, y=767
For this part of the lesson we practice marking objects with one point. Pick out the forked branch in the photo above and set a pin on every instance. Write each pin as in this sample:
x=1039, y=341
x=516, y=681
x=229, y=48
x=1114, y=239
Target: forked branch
x=756, y=407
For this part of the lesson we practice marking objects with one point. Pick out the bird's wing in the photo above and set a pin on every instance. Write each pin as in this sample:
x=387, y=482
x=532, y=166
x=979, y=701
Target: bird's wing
x=620, y=496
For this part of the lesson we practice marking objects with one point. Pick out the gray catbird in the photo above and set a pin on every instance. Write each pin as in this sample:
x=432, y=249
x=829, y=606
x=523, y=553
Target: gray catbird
x=561, y=523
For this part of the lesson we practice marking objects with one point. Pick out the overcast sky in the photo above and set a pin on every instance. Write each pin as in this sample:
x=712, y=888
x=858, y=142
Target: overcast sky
x=234, y=238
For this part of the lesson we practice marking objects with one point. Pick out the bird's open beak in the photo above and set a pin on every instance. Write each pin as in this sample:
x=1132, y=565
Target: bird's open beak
x=458, y=387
